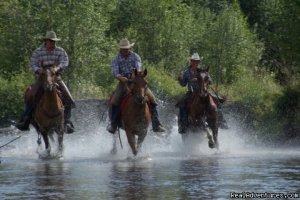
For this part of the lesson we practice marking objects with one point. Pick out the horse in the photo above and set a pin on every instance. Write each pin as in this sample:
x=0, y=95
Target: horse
x=48, y=115
x=135, y=112
x=202, y=111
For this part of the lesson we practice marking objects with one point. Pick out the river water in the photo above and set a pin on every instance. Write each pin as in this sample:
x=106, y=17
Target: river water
x=165, y=169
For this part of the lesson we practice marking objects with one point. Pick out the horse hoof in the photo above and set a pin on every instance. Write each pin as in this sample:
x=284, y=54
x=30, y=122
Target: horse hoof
x=211, y=145
x=113, y=151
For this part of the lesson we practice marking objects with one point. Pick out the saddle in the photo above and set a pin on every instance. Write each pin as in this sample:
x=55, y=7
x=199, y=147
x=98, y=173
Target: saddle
x=122, y=105
x=33, y=94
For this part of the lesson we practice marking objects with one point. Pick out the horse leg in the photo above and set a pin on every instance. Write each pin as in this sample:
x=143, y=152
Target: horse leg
x=114, y=150
x=212, y=123
x=47, y=144
x=131, y=141
x=60, y=138
x=141, y=138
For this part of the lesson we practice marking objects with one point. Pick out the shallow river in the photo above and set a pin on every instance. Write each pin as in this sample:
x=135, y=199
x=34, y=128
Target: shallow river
x=163, y=170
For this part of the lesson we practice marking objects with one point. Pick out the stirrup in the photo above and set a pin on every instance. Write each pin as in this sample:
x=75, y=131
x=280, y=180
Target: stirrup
x=23, y=124
x=159, y=128
x=112, y=129
x=69, y=127
x=224, y=125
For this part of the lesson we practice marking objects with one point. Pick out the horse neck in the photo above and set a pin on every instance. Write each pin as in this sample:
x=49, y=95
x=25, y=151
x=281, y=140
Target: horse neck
x=201, y=102
x=51, y=101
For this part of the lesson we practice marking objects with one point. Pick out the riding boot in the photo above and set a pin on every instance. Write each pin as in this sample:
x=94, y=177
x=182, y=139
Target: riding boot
x=183, y=120
x=24, y=122
x=114, y=119
x=69, y=127
x=156, y=125
x=222, y=122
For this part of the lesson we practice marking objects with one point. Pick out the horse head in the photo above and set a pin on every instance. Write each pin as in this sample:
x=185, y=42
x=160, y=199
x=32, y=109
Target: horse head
x=203, y=80
x=47, y=78
x=138, y=86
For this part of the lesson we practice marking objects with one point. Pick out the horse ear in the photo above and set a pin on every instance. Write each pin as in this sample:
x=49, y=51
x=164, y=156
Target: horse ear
x=135, y=72
x=207, y=69
x=145, y=72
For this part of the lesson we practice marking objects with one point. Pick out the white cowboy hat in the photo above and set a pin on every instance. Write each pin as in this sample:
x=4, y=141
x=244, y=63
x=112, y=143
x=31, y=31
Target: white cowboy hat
x=196, y=56
x=51, y=35
x=125, y=44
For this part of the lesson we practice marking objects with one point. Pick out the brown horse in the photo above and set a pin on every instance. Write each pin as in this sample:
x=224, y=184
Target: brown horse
x=202, y=110
x=135, y=112
x=48, y=115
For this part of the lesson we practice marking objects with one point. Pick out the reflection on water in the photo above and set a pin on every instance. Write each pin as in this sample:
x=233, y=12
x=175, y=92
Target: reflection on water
x=130, y=181
x=49, y=180
x=199, y=177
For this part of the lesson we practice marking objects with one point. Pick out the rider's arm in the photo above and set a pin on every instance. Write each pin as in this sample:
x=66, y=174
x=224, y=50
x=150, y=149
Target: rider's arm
x=116, y=72
x=63, y=59
x=183, y=79
x=35, y=65
x=138, y=62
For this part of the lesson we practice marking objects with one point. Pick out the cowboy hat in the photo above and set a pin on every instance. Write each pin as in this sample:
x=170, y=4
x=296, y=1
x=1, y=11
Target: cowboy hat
x=125, y=44
x=196, y=56
x=51, y=35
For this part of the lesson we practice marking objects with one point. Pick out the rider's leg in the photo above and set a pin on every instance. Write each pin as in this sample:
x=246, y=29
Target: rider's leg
x=24, y=121
x=68, y=104
x=32, y=96
x=183, y=114
x=114, y=119
x=222, y=123
x=115, y=108
x=156, y=125
x=221, y=120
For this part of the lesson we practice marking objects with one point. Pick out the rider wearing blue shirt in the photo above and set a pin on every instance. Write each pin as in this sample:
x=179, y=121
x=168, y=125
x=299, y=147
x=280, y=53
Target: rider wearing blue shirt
x=188, y=77
x=123, y=65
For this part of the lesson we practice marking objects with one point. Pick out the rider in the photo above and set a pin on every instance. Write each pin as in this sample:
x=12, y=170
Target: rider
x=123, y=66
x=49, y=55
x=188, y=77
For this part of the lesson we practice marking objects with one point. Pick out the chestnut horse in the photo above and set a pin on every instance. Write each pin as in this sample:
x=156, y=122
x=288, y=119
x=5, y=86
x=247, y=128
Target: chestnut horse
x=135, y=112
x=202, y=110
x=48, y=115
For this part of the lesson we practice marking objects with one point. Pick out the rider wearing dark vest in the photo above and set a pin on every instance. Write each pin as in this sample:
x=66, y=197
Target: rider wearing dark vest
x=188, y=77
x=123, y=65
x=49, y=55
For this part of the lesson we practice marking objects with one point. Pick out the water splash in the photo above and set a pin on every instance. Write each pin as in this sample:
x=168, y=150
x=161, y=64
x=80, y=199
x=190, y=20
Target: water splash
x=95, y=142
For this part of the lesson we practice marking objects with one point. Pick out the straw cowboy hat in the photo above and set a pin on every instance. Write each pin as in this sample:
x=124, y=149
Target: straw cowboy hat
x=51, y=35
x=125, y=44
x=196, y=56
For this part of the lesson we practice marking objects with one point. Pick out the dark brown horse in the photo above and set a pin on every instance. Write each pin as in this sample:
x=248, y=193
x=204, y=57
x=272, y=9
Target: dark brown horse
x=202, y=110
x=48, y=115
x=135, y=113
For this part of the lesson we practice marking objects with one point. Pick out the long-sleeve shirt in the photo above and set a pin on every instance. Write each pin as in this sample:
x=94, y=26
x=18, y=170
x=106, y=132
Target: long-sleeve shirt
x=188, y=76
x=122, y=66
x=42, y=57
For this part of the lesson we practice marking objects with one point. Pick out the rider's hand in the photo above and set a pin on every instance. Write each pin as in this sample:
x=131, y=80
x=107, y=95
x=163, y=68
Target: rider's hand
x=38, y=71
x=180, y=77
x=58, y=70
x=123, y=79
x=194, y=79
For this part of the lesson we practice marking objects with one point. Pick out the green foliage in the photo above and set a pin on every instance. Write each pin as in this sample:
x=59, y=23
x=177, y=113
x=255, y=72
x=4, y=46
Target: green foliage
x=288, y=109
x=11, y=94
x=257, y=91
x=231, y=46
x=163, y=84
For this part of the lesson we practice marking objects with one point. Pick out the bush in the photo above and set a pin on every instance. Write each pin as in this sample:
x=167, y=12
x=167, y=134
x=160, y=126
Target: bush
x=12, y=95
x=163, y=84
x=257, y=93
x=288, y=108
